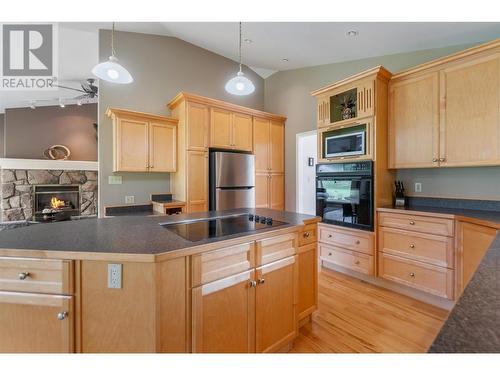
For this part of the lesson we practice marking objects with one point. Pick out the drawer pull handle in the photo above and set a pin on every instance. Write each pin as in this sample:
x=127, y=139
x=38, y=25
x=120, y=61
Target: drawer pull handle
x=412, y=246
x=412, y=274
x=261, y=281
x=330, y=254
x=252, y=284
x=357, y=242
x=329, y=236
x=306, y=235
x=23, y=275
x=62, y=315
x=356, y=262
x=412, y=222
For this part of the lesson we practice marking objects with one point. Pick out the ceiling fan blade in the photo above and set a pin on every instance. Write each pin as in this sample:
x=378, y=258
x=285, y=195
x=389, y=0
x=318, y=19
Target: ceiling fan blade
x=69, y=88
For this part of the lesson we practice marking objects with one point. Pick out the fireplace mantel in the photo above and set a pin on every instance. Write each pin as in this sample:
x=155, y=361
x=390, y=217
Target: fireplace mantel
x=67, y=165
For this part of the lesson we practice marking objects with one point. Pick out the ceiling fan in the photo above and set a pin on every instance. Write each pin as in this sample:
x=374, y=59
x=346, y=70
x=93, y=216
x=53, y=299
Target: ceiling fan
x=89, y=90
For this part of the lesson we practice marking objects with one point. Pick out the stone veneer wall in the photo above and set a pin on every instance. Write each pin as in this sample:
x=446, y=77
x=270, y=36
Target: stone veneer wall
x=18, y=188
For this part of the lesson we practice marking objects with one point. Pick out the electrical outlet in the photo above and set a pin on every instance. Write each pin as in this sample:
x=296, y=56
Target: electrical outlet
x=114, y=180
x=418, y=187
x=114, y=276
x=129, y=199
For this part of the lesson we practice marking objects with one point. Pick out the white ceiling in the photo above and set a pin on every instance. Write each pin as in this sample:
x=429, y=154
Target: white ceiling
x=302, y=43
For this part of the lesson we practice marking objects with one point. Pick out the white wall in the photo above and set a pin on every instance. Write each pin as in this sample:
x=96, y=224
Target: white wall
x=306, y=175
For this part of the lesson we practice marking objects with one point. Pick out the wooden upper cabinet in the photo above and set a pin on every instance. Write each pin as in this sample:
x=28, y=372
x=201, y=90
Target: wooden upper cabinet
x=36, y=323
x=242, y=132
x=143, y=142
x=262, y=192
x=323, y=111
x=414, y=122
x=131, y=145
x=162, y=141
x=197, y=181
x=277, y=147
x=224, y=315
x=470, y=117
x=220, y=128
x=262, y=140
x=197, y=126
x=366, y=99
x=275, y=300
x=276, y=191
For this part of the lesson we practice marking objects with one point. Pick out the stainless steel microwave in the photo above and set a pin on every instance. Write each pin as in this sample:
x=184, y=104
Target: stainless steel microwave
x=347, y=144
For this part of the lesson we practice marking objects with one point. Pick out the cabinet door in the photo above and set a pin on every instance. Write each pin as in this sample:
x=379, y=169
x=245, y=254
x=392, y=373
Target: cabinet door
x=224, y=315
x=414, y=122
x=277, y=191
x=470, y=117
x=275, y=299
x=307, y=258
x=220, y=128
x=277, y=147
x=261, y=140
x=162, y=147
x=29, y=323
x=197, y=126
x=366, y=99
x=323, y=110
x=262, y=190
x=242, y=132
x=197, y=181
x=131, y=145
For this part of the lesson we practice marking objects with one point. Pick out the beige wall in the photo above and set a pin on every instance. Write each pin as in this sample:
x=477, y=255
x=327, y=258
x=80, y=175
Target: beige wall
x=161, y=67
x=29, y=132
x=288, y=92
x=2, y=140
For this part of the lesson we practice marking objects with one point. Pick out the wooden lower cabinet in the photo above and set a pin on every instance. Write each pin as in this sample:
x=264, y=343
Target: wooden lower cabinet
x=36, y=323
x=275, y=299
x=307, y=259
x=224, y=315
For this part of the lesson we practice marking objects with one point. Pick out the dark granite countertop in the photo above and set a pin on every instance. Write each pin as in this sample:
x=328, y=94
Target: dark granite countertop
x=126, y=235
x=474, y=323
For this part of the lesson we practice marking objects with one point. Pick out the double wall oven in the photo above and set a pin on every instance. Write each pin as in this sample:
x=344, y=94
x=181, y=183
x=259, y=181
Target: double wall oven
x=344, y=194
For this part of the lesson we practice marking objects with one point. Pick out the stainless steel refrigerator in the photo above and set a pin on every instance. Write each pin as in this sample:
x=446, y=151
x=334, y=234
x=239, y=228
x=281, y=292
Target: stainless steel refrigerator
x=231, y=180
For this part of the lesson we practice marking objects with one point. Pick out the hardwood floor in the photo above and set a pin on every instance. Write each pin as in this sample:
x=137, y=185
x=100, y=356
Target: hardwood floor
x=357, y=317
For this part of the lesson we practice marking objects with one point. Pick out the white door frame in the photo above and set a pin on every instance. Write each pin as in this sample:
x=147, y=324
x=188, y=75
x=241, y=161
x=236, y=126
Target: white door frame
x=298, y=174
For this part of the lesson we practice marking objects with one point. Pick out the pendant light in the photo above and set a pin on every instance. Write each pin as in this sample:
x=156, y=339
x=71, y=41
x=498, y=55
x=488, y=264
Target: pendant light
x=111, y=70
x=240, y=85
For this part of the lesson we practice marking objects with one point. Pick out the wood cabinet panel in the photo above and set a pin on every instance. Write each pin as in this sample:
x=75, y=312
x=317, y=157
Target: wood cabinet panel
x=275, y=300
x=29, y=323
x=220, y=128
x=274, y=248
x=470, y=117
x=366, y=99
x=309, y=234
x=50, y=276
x=242, y=132
x=162, y=147
x=277, y=147
x=353, y=260
x=351, y=239
x=197, y=121
x=262, y=190
x=414, y=122
x=261, y=139
x=276, y=191
x=197, y=181
x=224, y=315
x=307, y=259
x=131, y=145
x=425, y=224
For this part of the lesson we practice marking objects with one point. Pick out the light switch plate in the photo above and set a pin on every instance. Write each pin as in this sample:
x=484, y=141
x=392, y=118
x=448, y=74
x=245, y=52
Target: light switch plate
x=114, y=180
x=129, y=199
x=114, y=276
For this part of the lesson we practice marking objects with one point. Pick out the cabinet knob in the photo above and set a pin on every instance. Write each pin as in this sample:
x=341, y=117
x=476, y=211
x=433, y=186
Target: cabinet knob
x=252, y=284
x=330, y=254
x=356, y=262
x=23, y=275
x=62, y=315
x=412, y=222
x=261, y=281
x=329, y=236
x=412, y=246
x=357, y=242
x=306, y=235
x=412, y=274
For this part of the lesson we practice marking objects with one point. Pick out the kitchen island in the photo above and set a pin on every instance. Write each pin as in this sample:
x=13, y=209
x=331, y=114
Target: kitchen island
x=128, y=284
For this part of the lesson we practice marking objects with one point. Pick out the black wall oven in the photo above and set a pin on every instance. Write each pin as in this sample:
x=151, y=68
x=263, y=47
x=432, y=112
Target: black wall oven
x=344, y=194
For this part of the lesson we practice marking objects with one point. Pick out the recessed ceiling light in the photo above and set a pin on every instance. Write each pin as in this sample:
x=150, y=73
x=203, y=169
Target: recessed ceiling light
x=285, y=59
x=249, y=41
x=352, y=33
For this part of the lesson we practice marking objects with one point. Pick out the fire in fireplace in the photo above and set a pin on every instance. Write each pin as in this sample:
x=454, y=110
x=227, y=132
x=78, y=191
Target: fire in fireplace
x=56, y=202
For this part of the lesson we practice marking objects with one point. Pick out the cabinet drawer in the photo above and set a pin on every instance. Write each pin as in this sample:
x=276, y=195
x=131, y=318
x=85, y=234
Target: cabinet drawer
x=308, y=234
x=427, y=248
x=218, y=264
x=36, y=275
x=425, y=277
x=349, y=259
x=348, y=239
x=425, y=224
x=275, y=248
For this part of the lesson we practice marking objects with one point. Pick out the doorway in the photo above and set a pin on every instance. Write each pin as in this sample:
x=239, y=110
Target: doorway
x=307, y=146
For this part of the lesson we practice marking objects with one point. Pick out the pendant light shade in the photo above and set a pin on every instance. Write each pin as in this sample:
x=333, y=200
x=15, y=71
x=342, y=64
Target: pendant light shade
x=111, y=70
x=240, y=85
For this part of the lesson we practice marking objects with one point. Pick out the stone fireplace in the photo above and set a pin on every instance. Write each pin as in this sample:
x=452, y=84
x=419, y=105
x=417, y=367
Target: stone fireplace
x=23, y=192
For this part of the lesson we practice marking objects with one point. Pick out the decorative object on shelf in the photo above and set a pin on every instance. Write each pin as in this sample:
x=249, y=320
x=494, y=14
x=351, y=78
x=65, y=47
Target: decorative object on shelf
x=57, y=152
x=240, y=85
x=111, y=70
x=346, y=105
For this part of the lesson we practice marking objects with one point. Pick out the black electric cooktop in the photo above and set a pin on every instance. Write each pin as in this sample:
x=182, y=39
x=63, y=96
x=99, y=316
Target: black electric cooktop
x=199, y=230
